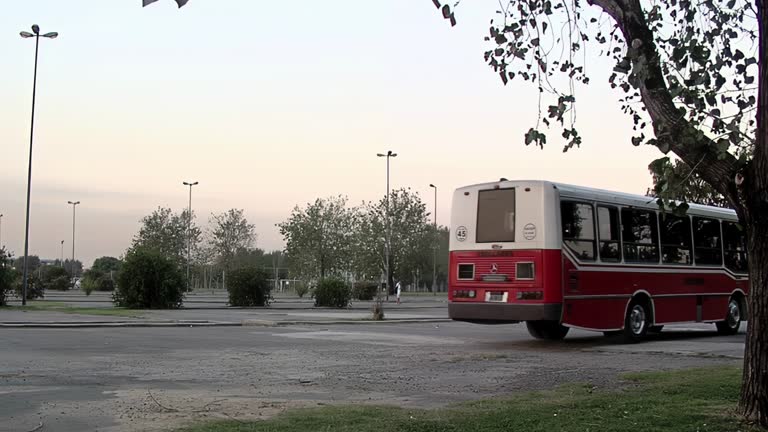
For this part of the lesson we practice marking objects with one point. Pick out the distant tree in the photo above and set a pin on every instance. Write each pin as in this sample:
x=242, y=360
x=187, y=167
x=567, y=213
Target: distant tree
x=411, y=237
x=74, y=268
x=166, y=232
x=318, y=237
x=8, y=276
x=101, y=276
x=687, y=185
x=54, y=278
x=33, y=263
x=231, y=233
x=106, y=264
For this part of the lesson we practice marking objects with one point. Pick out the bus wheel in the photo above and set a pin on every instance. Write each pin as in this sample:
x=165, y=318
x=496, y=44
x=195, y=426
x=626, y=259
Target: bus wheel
x=732, y=321
x=551, y=330
x=636, y=322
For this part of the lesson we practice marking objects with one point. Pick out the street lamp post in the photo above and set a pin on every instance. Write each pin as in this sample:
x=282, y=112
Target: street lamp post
x=74, y=204
x=388, y=155
x=434, y=246
x=36, y=34
x=62, y=254
x=189, y=232
x=1, y=231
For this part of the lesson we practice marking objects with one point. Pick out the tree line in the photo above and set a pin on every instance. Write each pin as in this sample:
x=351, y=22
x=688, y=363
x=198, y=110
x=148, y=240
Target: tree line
x=329, y=238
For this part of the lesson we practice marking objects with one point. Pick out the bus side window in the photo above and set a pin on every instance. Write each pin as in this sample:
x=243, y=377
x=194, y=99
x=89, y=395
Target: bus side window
x=578, y=229
x=735, y=245
x=608, y=230
x=640, y=236
x=707, y=245
x=676, y=239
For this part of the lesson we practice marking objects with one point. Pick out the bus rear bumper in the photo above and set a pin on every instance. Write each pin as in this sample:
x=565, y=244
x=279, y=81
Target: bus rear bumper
x=499, y=313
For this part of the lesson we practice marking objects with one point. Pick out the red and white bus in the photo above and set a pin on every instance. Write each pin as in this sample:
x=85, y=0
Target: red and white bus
x=558, y=256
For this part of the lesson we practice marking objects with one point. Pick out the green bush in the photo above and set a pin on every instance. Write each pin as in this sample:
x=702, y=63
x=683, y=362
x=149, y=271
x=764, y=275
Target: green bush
x=34, y=286
x=364, y=290
x=96, y=280
x=7, y=276
x=332, y=292
x=54, y=278
x=248, y=286
x=149, y=280
x=301, y=288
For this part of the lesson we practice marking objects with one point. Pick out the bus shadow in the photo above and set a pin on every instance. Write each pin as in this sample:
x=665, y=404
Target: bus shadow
x=582, y=341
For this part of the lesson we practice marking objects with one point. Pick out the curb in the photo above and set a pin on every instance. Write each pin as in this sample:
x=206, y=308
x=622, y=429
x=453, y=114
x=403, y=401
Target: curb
x=96, y=324
x=266, y=323
x=244, y=323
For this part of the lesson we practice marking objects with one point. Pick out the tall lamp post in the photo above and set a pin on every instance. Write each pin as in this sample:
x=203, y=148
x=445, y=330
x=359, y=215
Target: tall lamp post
x=74, y=204
x=1, y=231
x=62, y=254
x=388, y=155
x=434, y=247
x=189, y=232
x=36, y=34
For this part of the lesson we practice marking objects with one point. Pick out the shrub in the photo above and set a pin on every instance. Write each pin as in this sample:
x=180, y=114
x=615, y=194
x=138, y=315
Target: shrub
x=149, y=280
x=364, y=290
x=87, y=285
x=7, y=276
x=332, y=292
x=248, y=287
x=302, y=288
x=54, y=278
x=96, y=280
x=34, y=286
x=105, y=283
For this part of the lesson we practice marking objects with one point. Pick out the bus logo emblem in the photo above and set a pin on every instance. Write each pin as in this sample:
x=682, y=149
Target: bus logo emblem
x=494, y=268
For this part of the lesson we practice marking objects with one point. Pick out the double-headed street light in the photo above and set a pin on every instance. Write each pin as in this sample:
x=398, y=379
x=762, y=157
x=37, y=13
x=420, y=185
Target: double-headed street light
x=388, y=155
x=74, y=204
x=35, y=34
x=189, y=232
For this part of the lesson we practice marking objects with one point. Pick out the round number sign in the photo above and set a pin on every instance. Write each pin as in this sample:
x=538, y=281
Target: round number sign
x=461, y=233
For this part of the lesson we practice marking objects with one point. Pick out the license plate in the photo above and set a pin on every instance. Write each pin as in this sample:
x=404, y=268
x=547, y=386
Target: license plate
x=496, y=296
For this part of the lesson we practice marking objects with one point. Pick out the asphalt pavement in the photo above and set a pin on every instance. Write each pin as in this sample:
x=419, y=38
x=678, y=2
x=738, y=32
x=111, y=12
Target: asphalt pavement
x=157, y=379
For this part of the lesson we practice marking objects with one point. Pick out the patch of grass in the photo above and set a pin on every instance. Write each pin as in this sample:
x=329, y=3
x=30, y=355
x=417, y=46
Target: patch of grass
x=690, y=400
x=48, y=306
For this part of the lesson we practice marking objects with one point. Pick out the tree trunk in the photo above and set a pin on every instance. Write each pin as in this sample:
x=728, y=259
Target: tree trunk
x=753, y=403
x=746, y=187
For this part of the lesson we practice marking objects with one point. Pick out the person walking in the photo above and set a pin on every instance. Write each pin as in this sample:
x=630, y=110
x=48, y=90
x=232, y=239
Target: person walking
x=398, y=289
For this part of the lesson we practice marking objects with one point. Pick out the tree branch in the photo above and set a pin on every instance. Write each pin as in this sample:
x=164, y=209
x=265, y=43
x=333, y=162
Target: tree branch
x=673, y=132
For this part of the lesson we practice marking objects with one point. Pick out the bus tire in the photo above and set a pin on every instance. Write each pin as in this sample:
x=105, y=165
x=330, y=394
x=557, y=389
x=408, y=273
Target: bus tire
x=637, y=321
x=549, y=330
x=732, y=322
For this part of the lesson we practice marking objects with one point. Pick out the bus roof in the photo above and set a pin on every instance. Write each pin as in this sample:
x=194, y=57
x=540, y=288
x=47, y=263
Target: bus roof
x=601, y=195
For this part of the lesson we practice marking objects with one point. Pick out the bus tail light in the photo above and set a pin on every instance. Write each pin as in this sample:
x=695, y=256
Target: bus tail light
x=464, y=294
x=530, y=295
x=524, y=271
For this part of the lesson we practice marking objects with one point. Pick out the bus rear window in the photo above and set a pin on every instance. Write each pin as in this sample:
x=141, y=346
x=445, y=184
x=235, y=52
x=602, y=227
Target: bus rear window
x=496, y=216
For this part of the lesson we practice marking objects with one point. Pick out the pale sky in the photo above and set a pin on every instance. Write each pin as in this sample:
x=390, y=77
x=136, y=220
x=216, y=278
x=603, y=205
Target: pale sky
x=268, y=105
